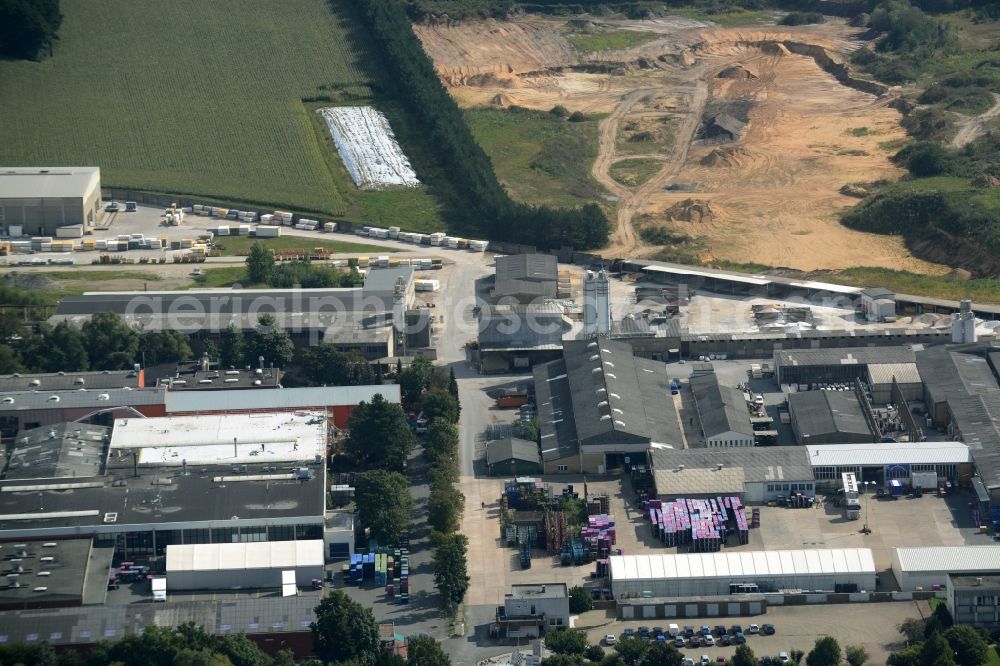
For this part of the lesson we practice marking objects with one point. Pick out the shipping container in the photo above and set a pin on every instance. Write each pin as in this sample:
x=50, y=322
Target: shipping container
x=426, y=285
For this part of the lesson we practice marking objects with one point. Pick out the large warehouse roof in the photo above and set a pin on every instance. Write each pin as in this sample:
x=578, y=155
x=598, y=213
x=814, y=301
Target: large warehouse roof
x=62, y=381
x=48, y=182
x=95, y=399
x=181, y=402
x=754, y=563
x=229, y=556
x=952, y=559
x=701, y=473
x=259, y=437
x=845, y=356
x=911, y=453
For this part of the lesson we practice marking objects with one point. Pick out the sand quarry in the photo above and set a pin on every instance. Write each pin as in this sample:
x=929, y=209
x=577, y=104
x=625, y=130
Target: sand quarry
x=754, y=133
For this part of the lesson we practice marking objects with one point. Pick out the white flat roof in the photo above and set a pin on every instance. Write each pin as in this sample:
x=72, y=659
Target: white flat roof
x=42, y=182
x=888, y=453
x=754, y=563
x=277, y=398
x=238, y=556
x=209, y=439
x=950, y=559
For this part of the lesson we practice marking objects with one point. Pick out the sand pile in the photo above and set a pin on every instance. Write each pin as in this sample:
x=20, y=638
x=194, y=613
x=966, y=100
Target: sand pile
x=737, y=73
x=691, y=210
x=726, y=156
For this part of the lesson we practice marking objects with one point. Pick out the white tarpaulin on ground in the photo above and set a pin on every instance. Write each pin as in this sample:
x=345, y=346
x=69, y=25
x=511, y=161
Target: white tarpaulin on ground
x=368, y=148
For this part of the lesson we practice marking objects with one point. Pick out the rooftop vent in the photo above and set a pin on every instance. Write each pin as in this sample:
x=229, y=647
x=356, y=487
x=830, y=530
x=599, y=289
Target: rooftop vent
x=718, y=466
x=680, y=467
x=8, y=400
x=35, y=382
x=41, y=589
x=111, y=517
x=104, y=396
x=53, y=398
x=79, y=381
x=44, y=573
x=606, y=417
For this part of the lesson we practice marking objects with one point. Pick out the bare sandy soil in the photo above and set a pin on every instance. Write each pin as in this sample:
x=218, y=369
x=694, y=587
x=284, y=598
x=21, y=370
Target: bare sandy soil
x=773, y=191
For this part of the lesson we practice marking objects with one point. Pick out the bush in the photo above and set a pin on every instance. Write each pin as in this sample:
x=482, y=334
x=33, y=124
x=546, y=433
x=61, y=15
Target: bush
x=577, y=117
x=580, y=600
x=802, y=18
x=559, y=111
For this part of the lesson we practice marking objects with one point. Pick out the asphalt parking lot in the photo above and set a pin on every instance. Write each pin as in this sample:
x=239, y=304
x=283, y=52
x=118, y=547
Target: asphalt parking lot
x=873, y=626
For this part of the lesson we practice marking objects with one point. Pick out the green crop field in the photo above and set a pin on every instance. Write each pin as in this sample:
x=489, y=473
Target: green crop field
x=202, y=98
x=540, y=158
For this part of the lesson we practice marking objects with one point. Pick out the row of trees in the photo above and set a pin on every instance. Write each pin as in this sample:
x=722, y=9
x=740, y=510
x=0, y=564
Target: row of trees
x=262, y=269
x=479, y=205
x=104, y=342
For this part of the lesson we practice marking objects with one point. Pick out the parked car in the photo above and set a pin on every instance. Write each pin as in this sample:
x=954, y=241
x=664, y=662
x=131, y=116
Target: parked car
x=720, y=630
x=658, y=631
x=643, y=632
x=783, y=658
x=767, y=629
x=753, y=629
x=628, y=633
x=739, y=638
x=688, y=661
x=706, y=660
x=688, y=632
x=705, y=630
x=609, y=639
x=725, y=640
x=765, y=660
x=736, y=629
x=679, y=643
x=708, y=641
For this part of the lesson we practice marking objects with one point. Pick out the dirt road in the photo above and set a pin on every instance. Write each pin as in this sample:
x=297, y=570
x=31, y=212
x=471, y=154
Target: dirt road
x=975, y=126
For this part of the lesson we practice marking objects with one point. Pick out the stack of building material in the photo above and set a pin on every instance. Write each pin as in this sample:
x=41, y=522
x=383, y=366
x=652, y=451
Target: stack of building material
x=702, y=523
x=599, y=535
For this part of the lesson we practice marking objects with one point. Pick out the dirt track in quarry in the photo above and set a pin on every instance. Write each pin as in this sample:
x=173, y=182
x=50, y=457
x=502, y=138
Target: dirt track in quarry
x=771, y=192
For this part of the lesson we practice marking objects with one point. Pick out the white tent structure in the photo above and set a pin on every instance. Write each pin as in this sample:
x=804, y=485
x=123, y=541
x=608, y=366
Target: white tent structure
x=221, y=566
x=707, y=574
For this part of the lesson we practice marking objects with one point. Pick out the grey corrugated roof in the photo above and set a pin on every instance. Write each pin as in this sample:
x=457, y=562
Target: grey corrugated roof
x=613, y=392
x=878, y=292
x=63, y=450
x=948, y=374
x=68, y=381
x=525, y=288
x=97, y=398
x=883, y=373
x=720, y=408
x=533, y=267
x=522, y=326
x=186, y=402
x=828, y=413
x=65, y=578
x=555, y=411
x=844, y=356
x=511, y=447
x=764, y=463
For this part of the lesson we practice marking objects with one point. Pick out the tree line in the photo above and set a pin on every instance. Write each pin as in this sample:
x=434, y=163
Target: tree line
x=478, y=203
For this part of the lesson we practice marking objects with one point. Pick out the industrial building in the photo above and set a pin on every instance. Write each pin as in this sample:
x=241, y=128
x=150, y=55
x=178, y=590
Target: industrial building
x=531, y=609
x=975, y=600
x=41, y=200
x=72, y=381
x=828, y=417
x=601, y=407
x=221, y=439
x=525, y=278
x=725, y=573
x=825, y=366
x=308, y=315
x=204, y=375
x=878, y=304
x=722, y=413
x=512, y=456
x=928, y=568
x=879, y=463
x=517, y=337
x=880, y=378
x=25, y=410
x=59, y=451
x=260, y=565
x=757, y=475
x=53, y=574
